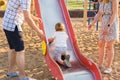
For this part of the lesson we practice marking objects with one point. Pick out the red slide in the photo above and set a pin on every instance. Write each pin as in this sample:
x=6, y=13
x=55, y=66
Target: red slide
x=51, y=12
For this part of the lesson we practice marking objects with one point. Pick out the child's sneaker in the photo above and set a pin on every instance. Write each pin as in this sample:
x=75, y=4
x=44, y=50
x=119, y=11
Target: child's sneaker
x=67, y=57
x=63, y=57
x=108, y=70
x=67, y=63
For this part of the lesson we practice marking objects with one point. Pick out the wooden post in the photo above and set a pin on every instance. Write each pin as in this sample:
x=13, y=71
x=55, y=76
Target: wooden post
x=85, y=13
x=119, y=10
x=32, y=7
x=3, y=4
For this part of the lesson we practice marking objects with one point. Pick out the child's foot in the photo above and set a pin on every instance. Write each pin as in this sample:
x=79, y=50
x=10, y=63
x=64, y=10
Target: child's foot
x=67, y=63
x=63, y=57
x=108, y=70
x=67, y=57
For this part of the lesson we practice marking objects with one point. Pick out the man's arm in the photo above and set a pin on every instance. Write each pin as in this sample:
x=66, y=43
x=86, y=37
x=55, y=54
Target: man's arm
x=31, y=23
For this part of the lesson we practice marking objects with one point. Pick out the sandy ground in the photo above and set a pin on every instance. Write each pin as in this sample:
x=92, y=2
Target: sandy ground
x=35, y=63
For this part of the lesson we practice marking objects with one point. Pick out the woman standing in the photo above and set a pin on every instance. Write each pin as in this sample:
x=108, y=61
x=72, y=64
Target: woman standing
x=109, y=31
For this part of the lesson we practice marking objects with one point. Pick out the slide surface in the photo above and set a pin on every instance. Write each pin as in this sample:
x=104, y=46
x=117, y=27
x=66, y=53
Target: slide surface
x=52, y=12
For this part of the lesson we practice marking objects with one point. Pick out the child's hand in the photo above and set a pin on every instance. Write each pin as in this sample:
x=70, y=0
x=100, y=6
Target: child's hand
x=89, y=26
x=50, y=40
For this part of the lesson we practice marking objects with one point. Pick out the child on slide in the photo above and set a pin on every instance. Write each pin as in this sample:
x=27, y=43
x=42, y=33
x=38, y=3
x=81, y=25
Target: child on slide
x=60, y=38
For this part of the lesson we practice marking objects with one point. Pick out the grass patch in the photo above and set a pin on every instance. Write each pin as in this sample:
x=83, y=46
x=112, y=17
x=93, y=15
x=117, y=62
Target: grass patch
x=71, y=5
x=75, y=5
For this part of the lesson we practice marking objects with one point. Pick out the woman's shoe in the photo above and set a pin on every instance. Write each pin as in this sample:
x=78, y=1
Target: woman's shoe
x=108, y=70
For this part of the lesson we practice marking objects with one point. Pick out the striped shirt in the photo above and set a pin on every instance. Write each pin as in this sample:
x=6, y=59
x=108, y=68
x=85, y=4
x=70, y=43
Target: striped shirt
x=14, y=14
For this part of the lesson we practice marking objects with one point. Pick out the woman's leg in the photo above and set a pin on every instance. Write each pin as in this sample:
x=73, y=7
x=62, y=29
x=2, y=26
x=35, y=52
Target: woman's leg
x=110, y=53
x=101, y=47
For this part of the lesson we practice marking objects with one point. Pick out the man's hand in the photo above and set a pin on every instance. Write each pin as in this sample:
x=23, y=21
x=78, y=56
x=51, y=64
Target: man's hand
x=37, y=19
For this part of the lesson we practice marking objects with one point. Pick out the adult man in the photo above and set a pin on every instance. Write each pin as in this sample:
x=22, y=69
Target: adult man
x=16, y=12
